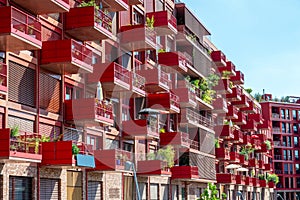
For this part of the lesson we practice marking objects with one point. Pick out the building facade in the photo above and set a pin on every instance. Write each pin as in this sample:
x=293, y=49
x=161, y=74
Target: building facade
x=114, y=100
x=283, y=118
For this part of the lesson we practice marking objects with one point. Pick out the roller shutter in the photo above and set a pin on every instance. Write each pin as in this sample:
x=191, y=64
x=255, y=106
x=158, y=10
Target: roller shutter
x=94, y=190
x=21, y=84
x=49, y=189
x=50, y=93
x=23, y=124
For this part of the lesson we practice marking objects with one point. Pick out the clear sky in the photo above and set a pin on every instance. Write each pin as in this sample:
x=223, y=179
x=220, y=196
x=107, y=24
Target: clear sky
x=261, y=37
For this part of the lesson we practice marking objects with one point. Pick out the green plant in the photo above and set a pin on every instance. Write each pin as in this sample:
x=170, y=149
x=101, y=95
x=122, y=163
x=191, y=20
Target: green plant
x=167, y=154
x=246, y=151
x=14, y=131
x=211, y=193
x=248, y=90
x=272, y=178
x=162, y=130
x=226, y=74
x=150, y=22
x=161, y=51
x=45, y=138
x=75, y=149
x=217, y=143
x=151, y=156
x=196, y=83
x=261, y=177
x=268, y=144
x=36, y=146
x=89, y=3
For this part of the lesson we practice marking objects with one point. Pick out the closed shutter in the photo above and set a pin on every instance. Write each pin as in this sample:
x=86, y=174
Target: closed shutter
x=175, y=192
x=20, y=187
x=50, y=93
x=23, y=124
x=21, y=84
x=153, y=192
x=128, y=187
x=49, y=131
x=94, y=190
x=74, y=185
x=49, y=189
x=143, y=190
x=73, y=134
x=205, y=164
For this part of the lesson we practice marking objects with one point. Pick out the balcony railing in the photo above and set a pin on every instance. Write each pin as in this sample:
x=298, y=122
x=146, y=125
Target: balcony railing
x=88, y=23
x=194, y=144
x=138, y=84
x=112, y=159
x=175, y=139
x=141, y=128
x=195, y=118
x=153, y=167
x=166, y=100
x=25, y=146
x=165, y=23
x=238, y=78
x=66, y=56
x=175, y=60
x=3, y=77
x=219, y=58
x=44, y=6
x=185, y=172
x=116, y=5
x=226, y=178
x=137, y=38
x=19, y=31
x=89, y=110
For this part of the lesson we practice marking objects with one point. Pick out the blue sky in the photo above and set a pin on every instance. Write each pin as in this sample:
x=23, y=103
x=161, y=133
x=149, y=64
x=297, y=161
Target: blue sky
x=261, y=37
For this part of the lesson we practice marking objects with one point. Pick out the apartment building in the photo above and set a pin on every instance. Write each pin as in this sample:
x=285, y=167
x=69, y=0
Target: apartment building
x=91, y=93
x=283, y=118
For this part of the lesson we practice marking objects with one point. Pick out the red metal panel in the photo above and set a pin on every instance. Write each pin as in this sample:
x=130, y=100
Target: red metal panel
x=152, y=167
x=185, y=172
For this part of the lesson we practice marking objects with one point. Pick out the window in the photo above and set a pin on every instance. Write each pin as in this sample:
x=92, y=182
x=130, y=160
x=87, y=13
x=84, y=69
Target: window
x=294, y=112
x=72, y=92
x=283, y=129
x=137, y=18
x=298, y=182
x=287, y=114
x=296, y=142
x=92, y=140
x=94, y=190
x=297, y=167
x=282, y=111
x=287, y=185
x=154, y=191
x=74, y=185
x=20, y=188
x=288, y=126
x=295, y=128
x=297, y=154
x=286, y=168
x=49, y=189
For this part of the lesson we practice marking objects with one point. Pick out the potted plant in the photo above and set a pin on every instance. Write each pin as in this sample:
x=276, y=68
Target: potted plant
x=211, y=193
x=268, y=144
x=272, y=179
x=75, y=149
x=150, y=22
x=217, y=143
x=14, y=132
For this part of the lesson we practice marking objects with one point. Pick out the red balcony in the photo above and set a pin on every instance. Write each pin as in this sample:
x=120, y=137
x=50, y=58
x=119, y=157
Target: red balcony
x=238, y=78
x=251, y=108
x=238, y=136
x=60, y=154
x=242, y=103
x=230, y=67
x=268, y=167
x=241, y=119
x=224, y=131
x=3, y=77
x=263, y=148
x=89, y=111
x=232, y=112
x=223, y=87
x=226, y=178
x=193, y=119
x=22, y=148
x=115, y=5
x=262, y=183
x=220, y=105
x=240, y=179
x=255, y=182
x=141, y=128
x=243, y=161
x=251, y=125
x=18, y=30
x=137, y=38
x=185, y=172
x=153, y=167
x=164, y=22
x=271, y=184
x=219, y=58
x=235, y=95
x=222, y=154
x=88, y=23
x=261, y=164
x=246, y=140
x=176, y=60
x=156, y=80
x=111, y=159
x=138, y=85
x=256, y=117
x=256, y=143
x=135, y=2
x=167, y=101
x=177, y=139
x=114, y=78
x=44, y=6
x=248, y=181
x=253, y=162
x=186, y=96
x=66, y=56
x=234, y=157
